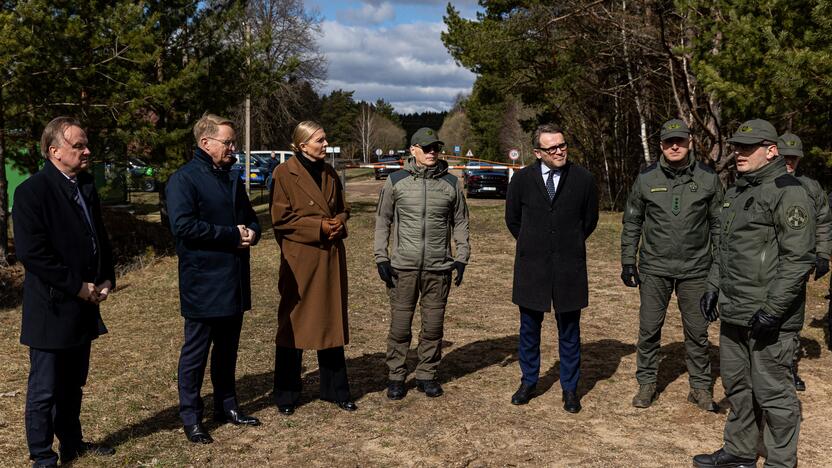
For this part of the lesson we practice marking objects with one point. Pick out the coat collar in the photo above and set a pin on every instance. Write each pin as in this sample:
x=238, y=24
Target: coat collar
x=766, y=173
x=305, y=182
x=538, y=179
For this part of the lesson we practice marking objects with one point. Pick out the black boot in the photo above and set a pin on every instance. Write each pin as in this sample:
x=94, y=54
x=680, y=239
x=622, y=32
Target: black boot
x=722, y=459
x=799, y=384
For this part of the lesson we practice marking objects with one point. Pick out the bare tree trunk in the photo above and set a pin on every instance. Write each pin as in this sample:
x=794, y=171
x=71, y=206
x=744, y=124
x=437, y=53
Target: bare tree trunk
x=4, y=188
x=645, y=144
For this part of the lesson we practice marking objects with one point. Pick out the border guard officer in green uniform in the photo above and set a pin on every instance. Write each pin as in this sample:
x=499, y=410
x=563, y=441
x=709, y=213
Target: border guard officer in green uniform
x=673, y=212
x=766, y=250
x=791, y=148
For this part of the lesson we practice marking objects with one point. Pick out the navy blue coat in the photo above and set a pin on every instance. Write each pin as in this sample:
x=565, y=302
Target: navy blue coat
x=205, y=205
x=55, y=245
x=550, y=258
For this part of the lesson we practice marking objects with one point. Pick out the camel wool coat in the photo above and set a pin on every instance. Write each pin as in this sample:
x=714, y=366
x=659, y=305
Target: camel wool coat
x=313, y=270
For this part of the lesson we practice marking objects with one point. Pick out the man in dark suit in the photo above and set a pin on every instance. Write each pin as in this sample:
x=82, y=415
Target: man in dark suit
x=551, y=209
x=61, y=241
x=214, y=226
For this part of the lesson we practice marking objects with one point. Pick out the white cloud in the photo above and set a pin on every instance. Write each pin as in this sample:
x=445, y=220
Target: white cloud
x=375, y=13
x=406, y=65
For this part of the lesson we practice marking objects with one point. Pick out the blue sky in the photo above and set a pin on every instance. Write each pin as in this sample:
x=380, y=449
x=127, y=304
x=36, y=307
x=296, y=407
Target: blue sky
x=391, y=49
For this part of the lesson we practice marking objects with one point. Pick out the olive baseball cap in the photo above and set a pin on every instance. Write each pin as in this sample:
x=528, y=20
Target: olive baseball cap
x=754, y=131
x=674, y=128
x=790, y=145
x=424, y=137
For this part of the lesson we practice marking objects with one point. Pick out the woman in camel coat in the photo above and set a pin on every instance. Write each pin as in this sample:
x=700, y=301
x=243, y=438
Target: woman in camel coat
x=309, y=215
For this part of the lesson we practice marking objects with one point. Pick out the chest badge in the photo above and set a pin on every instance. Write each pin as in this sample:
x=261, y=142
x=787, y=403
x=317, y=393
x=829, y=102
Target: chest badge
x=658, y=189
x=676, y=204
x=796, y=217
x=693, y=187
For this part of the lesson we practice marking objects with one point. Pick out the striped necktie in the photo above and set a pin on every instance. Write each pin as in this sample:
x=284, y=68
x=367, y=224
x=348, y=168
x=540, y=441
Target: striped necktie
x=76, y=195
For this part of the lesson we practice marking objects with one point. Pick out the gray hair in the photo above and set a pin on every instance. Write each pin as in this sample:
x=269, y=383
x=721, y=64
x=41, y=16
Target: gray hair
x=53, y=133
x=544, y=128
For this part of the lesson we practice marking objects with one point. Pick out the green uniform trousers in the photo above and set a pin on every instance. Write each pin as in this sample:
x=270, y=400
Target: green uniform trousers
x=430, y=289
x=758, y=384
x=655, y=294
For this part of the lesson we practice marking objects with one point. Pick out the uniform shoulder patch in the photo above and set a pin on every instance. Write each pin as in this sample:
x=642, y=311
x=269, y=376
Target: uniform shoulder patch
x=398, y=176
x=650, y=168
x=796, y=217
x=706, y=168
x=786, y=180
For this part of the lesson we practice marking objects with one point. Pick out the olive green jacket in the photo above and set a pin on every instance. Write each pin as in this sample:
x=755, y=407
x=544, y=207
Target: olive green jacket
x=674, y=215
x=424, y=207
x=767, y=247
x=823, y=216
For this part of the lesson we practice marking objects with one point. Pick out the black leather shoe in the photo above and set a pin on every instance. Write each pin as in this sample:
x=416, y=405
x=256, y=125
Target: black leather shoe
x=430, y=388
x=286, y=410
x=571, y=402
x=523, y=394
x=99, y=450
x=396, y=390
x=346, y=405
x=722, y=459
x=237, y=418
x=198, y=434
x=44, y=465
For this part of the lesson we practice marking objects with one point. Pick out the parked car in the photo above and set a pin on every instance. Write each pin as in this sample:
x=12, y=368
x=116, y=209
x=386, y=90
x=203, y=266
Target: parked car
x=382, y=173
x=258, y=169
x=140, y=176
x=485, y=182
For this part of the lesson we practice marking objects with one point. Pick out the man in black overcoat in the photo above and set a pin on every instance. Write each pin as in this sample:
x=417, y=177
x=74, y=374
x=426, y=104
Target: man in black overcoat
x=61, y=241
x=214, y=225
x=551, y=209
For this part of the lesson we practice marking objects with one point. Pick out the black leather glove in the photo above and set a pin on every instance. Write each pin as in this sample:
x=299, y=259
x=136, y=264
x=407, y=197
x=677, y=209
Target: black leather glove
x=385, y=272
x=460, y=270
x=707, y=305
x=629, y=275
x=821, y=267
x=763, y=325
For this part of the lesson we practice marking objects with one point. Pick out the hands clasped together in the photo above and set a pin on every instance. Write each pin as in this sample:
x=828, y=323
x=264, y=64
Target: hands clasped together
x=94, y=293
x=246, y=237
x=333, y=228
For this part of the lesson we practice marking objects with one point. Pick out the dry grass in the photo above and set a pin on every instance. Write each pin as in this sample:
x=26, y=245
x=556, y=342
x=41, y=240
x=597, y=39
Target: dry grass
x=131, y=398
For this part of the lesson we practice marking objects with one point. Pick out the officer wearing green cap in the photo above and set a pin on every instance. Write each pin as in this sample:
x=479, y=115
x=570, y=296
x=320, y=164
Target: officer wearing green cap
x=766, y=249
x=424, y=208
x=672, y=214
x=791, y=148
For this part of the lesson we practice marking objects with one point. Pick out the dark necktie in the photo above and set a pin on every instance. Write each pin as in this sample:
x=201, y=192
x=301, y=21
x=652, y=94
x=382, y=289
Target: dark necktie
x=76, y=195
x=550, y=184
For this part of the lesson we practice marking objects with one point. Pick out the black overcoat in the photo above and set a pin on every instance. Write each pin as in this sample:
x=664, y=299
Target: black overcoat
x=59, y=252
x=550, y=256
x=205, y=205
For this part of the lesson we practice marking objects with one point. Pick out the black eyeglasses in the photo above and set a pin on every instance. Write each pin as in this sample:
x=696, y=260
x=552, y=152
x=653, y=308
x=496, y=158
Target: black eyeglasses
x=226, y=143
x=433, y=148
x=554, y=149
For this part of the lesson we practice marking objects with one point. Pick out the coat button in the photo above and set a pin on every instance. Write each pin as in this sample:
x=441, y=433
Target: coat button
x=311, y=203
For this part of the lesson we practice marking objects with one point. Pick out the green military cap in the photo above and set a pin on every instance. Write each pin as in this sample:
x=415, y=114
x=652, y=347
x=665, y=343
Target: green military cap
x=790, y=145
x=424, y=137
x=754, y=131
x=675, y=128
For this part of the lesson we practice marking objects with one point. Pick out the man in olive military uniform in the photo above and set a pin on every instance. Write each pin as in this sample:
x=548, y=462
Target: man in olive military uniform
x=673, y=212
x=791, y=148
x=766, y=249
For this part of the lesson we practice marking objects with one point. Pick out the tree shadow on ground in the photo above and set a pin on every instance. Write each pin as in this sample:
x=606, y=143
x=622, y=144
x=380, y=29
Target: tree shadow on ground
x=599, y=361
x=822, y=323
x=368, y=374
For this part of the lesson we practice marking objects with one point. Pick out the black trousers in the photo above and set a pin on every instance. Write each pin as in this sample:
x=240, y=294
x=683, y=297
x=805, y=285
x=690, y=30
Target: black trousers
x=53, y=400
x=333, y=371
x=224, y=334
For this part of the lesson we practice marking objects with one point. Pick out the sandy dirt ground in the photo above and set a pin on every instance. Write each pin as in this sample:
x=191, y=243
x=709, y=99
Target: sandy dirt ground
x=131, y=399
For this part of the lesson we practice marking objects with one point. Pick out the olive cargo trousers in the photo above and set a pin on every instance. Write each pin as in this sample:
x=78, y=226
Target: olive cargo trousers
x=430, y=289
x=758, y=383
x=655, y=292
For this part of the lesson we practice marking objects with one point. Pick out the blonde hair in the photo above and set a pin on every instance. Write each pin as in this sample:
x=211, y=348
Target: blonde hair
x=208, y=125
x=303, y=132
